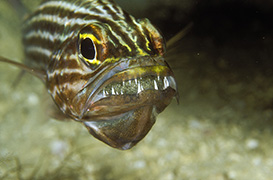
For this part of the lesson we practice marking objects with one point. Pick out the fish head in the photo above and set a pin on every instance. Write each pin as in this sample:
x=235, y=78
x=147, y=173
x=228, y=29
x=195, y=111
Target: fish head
x=114, y=82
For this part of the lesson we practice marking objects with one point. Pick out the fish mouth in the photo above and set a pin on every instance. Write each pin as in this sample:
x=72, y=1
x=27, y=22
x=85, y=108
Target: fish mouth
x=118, y=96
x=123, y=108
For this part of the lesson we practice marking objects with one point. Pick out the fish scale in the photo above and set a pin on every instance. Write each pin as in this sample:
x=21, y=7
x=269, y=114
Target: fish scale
x=101, y=66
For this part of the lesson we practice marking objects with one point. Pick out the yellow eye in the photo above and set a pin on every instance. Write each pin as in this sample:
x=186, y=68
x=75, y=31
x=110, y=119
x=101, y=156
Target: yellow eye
x=87, y=45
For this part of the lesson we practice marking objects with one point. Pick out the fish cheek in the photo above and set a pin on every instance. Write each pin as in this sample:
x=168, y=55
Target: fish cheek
x=64, y=85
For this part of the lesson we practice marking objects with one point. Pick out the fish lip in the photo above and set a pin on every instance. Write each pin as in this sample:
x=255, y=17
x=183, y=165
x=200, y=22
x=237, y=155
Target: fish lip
x=127, y=69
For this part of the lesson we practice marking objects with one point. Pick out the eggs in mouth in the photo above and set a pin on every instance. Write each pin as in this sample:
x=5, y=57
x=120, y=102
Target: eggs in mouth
x=123, y=109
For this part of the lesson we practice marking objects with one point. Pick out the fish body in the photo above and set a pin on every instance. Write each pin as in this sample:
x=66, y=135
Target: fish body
x=101, y=66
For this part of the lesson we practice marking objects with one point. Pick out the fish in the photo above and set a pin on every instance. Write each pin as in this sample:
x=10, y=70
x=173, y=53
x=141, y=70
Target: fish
x=102, y=67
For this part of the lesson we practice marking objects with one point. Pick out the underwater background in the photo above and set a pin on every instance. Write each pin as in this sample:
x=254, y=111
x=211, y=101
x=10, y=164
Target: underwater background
x=220, y=130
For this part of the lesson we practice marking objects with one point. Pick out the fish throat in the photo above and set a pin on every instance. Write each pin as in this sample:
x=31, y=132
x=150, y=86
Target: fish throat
x=103, y=67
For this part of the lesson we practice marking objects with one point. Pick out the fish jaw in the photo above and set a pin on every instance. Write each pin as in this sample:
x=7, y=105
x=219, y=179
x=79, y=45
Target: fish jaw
x=124, y=108
x=128, y=118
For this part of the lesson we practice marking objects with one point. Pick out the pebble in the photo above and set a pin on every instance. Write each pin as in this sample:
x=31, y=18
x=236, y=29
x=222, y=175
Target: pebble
x=59, y=148
x=252, y=144
x=33, y=99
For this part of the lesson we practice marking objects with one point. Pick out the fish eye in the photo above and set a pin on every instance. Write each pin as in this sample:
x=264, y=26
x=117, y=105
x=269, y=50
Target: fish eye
x=87, y=49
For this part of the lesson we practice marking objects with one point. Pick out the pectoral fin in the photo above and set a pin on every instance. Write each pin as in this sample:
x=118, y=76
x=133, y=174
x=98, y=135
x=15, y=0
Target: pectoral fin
x=38, y=73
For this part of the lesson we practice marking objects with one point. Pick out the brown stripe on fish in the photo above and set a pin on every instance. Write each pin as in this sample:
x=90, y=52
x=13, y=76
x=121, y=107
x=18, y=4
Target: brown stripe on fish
x=35, y=59
x=62, y=18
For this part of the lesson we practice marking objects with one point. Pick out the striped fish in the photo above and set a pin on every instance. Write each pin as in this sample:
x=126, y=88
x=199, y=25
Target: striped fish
x=102, y=67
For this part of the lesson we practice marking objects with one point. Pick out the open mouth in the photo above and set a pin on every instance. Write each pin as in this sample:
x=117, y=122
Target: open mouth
x=137, y=85
x=124, y=107
x=120, y=96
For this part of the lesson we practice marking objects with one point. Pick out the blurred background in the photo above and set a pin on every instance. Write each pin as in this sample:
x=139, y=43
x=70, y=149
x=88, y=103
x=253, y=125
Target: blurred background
x=220, y=130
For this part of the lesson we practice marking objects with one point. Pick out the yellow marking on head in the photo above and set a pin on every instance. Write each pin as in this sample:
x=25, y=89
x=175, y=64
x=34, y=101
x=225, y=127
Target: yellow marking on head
x=94, y=61
x=90, y=36
x=159, y=69
x=155, y=69
x=147, y=46
x=128, y=47
x=139, y=71
x=111, y=60
x=141, y=52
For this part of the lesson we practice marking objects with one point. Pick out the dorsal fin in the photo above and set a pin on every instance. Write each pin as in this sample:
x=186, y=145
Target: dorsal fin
x=179, y=35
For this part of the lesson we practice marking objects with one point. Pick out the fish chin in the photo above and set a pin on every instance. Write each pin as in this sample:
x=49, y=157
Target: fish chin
x=129, y=127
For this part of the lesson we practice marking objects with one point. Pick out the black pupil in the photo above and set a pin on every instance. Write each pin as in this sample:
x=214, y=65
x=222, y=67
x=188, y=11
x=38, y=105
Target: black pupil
x=88, y=49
